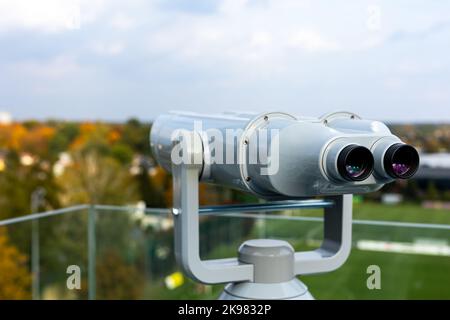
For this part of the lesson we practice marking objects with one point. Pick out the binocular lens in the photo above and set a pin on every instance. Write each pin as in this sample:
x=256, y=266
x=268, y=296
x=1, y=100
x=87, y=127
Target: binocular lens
x=354, y=171
x=355, y=163
x=400, y=168
x=401, y=161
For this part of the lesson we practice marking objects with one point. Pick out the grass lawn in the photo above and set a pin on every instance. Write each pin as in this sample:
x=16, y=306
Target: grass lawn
x=403, y=276
x=403, y=212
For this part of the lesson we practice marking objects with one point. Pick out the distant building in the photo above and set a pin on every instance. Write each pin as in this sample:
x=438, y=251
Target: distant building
x=63, y=162
x=435, y=160
x=5, y=118
x=27, y=159
x=2, y=161
x=391, y=198
x=434, y=167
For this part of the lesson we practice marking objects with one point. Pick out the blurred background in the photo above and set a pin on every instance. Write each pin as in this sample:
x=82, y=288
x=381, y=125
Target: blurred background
x=81, y=82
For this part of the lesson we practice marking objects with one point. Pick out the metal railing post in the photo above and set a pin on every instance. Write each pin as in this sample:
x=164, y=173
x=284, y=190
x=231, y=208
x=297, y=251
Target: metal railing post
x=37, y=200
x=92, y=217
x=35, y=259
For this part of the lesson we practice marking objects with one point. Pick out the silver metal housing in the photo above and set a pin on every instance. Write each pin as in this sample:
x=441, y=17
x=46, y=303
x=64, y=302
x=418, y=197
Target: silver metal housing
x=307, y=151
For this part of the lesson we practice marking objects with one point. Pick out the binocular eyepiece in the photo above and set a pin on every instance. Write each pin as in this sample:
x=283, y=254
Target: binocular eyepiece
x=356, y=163
x=401, y=161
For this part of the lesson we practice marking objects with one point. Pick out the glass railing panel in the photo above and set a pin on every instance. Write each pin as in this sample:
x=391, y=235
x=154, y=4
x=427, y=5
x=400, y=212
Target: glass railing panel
x=413, y=264
x=46, y=255
x=134, y=253
x=127, y=253
x=64, y=255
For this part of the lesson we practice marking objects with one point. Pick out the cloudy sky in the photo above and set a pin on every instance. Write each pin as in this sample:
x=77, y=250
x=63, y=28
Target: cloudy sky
x=95, y=59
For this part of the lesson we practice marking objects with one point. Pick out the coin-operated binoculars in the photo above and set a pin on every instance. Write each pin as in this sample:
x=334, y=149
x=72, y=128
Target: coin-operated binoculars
x=287, y=160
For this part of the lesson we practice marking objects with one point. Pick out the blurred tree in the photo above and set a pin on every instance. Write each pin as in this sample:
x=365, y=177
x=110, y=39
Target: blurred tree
x=36, y=141
x=17, y=182
x=15, y=279
x=153, y=182
x=411, y=191
x=116, y=279
x=122, y=153
x=432, y=192
x=96, y=179
x=432, y=145
x=11, y=136
x=446, y=196
x=66, y=133
x=136, y=135
x=92, y=138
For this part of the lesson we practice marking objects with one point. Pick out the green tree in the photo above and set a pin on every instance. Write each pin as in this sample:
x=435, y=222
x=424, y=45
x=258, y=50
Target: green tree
x=116, y=279
x=122, y=153
x=152, y=191
x=65, y=135
x=136, y=135
x=17, y=183
x=411, y=191
x=432, y=192
x=97, y=179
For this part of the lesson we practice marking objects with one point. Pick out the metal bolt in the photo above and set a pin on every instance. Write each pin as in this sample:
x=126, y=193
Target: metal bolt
x=176, y=211
x=266, y=118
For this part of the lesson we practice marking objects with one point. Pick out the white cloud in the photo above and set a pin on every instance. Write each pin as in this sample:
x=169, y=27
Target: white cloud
x=241, y=53
x=47, y=15
x=438, y=95
x=122, y=21
x=242, y=36
x=261, y=39
x=55, y=69
x=108, y=49
x=311, y=41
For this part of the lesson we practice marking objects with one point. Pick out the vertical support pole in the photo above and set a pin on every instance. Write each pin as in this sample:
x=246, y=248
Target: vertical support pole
x=261, y=221
x=35, y=259
x=36, y=201
x=92, y=217
x=334, y=231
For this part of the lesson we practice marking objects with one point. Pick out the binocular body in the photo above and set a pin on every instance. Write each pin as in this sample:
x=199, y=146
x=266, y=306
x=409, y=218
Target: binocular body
x=279, y=156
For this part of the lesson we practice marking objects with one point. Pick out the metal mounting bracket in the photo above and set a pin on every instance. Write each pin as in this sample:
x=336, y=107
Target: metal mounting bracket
x=331, y=255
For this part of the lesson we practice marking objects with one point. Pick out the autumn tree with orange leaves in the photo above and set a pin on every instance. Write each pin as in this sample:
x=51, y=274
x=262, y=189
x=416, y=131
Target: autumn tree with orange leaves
x=15, y=279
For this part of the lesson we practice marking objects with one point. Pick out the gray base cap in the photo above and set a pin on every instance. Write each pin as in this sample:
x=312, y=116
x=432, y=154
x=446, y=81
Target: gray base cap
x=274, y=278
x=290, y=290
x=272, y=260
